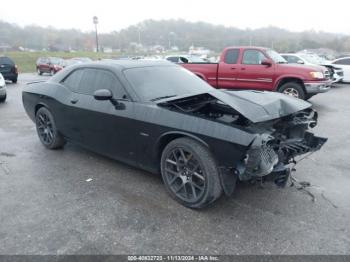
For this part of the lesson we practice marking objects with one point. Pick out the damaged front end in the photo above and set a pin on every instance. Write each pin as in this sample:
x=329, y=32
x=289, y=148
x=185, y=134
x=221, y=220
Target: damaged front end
x=278, y=124
x=271, y=153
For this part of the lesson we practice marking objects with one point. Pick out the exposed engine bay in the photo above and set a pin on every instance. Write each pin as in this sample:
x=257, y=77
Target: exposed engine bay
x=277, y=142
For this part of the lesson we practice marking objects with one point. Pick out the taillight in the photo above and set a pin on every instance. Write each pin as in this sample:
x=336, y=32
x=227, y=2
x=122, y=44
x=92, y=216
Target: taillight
x=16, y=69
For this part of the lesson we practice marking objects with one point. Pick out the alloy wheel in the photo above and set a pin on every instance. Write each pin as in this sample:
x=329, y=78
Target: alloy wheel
x=45, y=128
x=184, y=175
x=291, y=92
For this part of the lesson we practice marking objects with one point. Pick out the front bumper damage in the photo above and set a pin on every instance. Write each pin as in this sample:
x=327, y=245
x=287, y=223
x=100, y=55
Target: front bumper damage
x=270, y=156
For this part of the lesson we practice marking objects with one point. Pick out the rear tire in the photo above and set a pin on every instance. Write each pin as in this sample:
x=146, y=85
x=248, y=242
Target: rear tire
x=2, y=99
x=14, y=80
x=39, y=72
x=190, y=173
x=47, y=131
x=293, y=89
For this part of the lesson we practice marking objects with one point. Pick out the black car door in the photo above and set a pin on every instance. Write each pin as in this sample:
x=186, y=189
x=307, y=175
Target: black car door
x=102, y=126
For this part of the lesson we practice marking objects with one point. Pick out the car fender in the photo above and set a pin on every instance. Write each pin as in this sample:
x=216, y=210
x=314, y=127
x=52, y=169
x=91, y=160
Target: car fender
x=282, y=77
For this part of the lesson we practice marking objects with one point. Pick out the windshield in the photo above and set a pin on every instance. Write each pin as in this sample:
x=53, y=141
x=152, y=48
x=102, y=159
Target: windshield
x=276, y=57
x=312, y=59
x=55, y=60
x=153, y=83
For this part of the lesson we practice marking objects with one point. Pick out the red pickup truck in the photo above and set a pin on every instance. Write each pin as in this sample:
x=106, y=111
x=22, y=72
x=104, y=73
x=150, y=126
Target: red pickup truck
x=262, y=69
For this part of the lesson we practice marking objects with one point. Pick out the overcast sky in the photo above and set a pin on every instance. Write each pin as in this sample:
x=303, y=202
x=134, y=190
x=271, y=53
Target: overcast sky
x=296, y=15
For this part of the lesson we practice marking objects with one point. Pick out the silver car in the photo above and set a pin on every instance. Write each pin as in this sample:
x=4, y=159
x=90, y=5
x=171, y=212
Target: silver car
x=2, y=89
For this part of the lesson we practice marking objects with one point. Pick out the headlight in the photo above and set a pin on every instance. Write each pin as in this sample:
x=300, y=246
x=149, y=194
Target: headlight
x=317, y=75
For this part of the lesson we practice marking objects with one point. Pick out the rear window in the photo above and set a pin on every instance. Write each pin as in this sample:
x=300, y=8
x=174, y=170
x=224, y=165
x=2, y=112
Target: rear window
x=173, y=59
x=6, y=61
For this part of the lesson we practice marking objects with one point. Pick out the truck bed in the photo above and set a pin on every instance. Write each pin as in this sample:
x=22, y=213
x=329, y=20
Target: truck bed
x=206, y=71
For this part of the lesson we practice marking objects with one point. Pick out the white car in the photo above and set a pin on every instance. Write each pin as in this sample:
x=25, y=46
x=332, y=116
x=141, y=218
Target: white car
x=343, y=63
x=336, y=73
x=2, y=89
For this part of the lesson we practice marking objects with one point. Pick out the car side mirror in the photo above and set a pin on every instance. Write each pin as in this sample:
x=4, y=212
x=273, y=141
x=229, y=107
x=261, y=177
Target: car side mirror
x=300, y=62
x=103, y=94
x=106, y=94
x=266, y=62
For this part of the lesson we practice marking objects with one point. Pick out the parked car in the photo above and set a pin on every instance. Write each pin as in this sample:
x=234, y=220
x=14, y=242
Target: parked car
x=49, y=65
x=336, y=74
x=162, y=118
x=8, y=69
x=343, y=63
x=185, y=59
x=261, y=69
x=2, y=89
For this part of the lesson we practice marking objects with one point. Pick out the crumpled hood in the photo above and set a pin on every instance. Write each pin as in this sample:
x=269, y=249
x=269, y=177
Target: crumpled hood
x=260, y=106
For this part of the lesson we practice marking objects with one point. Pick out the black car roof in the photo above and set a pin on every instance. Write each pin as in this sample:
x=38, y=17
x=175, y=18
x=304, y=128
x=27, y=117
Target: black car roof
x=126, y=64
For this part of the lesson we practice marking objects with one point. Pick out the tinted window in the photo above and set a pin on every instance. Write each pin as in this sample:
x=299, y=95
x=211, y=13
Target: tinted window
x=95, y=79
x=231, y=56
x=345, y=61
x=73, y=80
x=6, y=61
x=153, y=82
x=173, y=59
x=252, y=57
x=291, y=59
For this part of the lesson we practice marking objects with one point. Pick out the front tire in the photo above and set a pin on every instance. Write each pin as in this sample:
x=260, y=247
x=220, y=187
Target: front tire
x=47, y=131
x=39, y=72
x=293, y=89
x=14, y=80
x=190, y=173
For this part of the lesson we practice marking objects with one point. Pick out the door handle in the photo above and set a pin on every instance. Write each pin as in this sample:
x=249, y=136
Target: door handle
x=74, y=100
x=233, y=68
x=243, y=68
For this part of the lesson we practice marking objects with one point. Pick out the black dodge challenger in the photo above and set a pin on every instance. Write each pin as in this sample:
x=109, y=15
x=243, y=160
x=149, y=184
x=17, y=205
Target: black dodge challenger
x=162, y=118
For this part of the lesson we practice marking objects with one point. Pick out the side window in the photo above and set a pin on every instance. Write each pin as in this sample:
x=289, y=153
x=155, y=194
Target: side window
x=252, y=57
x=345, y=61
x=73, y=80
x=107, y=80
x=291, y=59
x=231, y=56
x=95, y=79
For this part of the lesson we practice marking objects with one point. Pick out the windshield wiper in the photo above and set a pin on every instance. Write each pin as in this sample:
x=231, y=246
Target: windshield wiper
x=162, y=97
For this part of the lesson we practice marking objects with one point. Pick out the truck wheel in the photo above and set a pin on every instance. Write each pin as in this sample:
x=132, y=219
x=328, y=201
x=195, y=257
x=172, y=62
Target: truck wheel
x=190, y=173
x=292, y=89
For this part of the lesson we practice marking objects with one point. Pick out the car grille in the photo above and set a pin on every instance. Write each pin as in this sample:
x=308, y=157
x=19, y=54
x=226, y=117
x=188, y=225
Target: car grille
x=261, y=161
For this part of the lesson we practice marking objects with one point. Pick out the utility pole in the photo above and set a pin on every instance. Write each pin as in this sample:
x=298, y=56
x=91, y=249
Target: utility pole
x=95, y=21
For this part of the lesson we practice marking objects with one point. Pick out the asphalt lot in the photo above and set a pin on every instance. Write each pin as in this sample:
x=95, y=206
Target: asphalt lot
x=48, y=207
